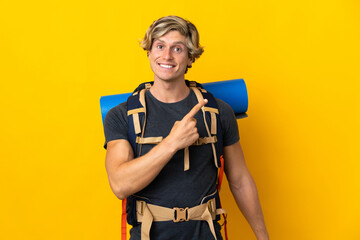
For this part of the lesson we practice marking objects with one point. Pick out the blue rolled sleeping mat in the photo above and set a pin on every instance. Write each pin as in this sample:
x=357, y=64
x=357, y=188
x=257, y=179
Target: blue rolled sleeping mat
x=233, y=92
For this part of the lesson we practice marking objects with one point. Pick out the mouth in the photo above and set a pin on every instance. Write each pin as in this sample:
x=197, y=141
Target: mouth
x=167, y=66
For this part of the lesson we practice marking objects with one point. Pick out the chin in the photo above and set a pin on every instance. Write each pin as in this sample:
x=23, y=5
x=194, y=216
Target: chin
x=167, y=79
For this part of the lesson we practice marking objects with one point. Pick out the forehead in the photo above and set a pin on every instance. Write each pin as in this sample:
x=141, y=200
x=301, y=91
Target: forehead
x=172, y=37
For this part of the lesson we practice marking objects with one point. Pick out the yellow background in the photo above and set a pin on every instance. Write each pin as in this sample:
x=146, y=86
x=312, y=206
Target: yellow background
x=300, y=61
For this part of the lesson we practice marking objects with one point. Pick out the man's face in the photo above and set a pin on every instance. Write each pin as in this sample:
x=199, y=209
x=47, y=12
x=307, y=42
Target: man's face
x=169, y=57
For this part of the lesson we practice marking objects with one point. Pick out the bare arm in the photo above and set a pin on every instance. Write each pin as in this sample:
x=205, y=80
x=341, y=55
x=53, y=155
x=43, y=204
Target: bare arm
x=244, y=189
x=128, y=175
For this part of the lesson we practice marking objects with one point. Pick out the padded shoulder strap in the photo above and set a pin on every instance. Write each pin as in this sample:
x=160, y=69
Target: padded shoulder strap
x=145, y=85
x=136, y=111
x=211, y=118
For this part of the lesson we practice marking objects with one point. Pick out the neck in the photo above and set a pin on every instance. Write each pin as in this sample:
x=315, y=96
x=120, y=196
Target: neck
x=169, y=91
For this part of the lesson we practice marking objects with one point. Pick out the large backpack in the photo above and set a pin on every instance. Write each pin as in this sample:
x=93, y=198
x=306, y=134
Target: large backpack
x=136, y=111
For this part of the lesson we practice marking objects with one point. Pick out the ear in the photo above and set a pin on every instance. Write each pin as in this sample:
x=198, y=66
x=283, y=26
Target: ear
x=190, y=62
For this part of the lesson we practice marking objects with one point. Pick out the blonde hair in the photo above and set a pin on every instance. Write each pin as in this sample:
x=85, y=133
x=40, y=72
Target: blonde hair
x=164, y=25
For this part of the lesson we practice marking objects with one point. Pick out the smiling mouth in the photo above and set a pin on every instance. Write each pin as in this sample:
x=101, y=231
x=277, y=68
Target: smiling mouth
x=166, y=66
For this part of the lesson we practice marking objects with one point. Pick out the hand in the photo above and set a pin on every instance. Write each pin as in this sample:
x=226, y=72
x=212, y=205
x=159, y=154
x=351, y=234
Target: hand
x=184, y=132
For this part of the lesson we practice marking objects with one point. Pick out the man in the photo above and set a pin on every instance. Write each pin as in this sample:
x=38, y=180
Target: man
x=155, y=179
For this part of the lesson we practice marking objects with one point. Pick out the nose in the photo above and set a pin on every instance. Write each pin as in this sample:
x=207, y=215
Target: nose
x=167, y=54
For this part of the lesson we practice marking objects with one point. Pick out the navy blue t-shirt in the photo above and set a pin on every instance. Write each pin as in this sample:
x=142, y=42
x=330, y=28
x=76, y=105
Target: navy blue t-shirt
x=174, y=187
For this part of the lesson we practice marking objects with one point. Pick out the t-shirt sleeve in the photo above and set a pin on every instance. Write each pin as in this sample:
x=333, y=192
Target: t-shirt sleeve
x=115, y=124
x=229, y=124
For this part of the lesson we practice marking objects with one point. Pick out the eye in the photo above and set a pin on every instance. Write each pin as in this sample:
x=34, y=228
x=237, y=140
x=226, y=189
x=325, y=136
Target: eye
x=159, y=47
x=177, y=49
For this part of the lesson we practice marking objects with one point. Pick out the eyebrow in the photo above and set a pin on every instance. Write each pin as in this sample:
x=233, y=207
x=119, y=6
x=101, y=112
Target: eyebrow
x=178, y=42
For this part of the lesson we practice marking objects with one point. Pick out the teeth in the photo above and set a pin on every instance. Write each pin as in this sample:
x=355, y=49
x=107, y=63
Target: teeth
x=166, y=66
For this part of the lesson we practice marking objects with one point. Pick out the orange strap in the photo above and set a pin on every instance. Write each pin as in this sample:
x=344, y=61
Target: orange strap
x=221, y=173
x=220, y=178
x=123, y=220
x=226, y=234
x=225, y=222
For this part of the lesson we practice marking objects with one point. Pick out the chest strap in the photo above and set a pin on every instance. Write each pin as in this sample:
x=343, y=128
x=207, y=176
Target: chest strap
x=148, y=213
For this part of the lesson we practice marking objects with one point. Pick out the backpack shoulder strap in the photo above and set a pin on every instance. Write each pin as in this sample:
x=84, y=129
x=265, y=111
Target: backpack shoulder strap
x=136, y=112
x=213, y=110
x=212, y=119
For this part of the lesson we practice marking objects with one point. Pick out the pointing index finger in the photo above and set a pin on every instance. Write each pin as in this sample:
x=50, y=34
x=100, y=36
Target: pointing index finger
x=196, y=108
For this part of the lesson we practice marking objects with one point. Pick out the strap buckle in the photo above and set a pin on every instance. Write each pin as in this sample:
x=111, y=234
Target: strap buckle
x=205, y=140
x=140, y=207
x=181, y=214
x=147, y=86
x=211, y=205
